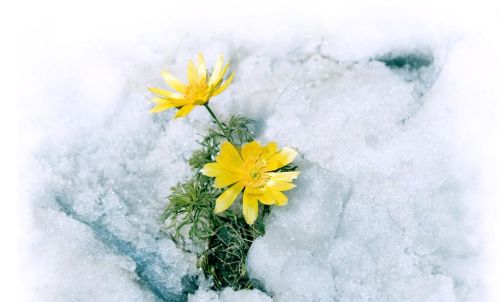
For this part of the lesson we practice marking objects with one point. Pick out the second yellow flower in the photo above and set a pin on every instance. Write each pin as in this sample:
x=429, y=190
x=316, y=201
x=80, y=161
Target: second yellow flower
x=200, y=88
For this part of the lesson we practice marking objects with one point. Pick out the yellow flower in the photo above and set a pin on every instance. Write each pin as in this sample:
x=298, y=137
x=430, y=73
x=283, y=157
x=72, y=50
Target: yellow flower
x=200, y=88
x=251, y=170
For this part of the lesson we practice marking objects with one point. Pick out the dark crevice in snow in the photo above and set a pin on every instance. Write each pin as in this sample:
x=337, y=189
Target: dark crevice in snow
x=416, y=67
x=345, y=203
x=410, y=61
x=151, y=270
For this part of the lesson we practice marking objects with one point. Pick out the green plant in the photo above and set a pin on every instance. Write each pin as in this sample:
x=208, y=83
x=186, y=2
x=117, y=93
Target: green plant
x=189, y=219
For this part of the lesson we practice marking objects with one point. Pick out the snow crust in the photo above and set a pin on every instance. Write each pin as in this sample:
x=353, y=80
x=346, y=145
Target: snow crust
x=229, y=295
x=386, y=208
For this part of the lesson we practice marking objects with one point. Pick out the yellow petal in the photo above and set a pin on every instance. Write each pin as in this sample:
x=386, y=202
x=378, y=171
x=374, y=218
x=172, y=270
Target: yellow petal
x=269, y=150
x=161, y=107
x=250, y=208
x=283, y=176
x=192, y=73
x=217, y=78
x=174, y=82
x=159, y=101
x=226, y=179
x=251, y=149
x=266, y=198
x=184, y=111
x=224, y=70
x=282, y=158
x=202, y=68
x=179, y=103
x=213, y=169
x=224, y=86
x=229, y=158
x=256, y=191
x=165, y=93
x=226, y=199
x=214, y=77
x=280, y=186
x=279, y=197
x=173, y=102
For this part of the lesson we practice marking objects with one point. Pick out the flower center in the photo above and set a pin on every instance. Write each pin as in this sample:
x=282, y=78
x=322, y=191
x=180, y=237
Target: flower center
x=198, y=92
x=255, y=174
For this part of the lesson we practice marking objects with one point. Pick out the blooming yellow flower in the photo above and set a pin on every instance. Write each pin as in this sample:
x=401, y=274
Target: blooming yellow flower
x=251, y=170
x=200, y=88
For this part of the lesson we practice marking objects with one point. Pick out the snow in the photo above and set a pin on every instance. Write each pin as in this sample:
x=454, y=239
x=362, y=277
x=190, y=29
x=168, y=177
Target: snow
x=393, y=190
x=229, y=295
x=398, y=227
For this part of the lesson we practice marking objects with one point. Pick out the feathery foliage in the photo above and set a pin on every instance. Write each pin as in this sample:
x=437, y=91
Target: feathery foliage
x=189, y=216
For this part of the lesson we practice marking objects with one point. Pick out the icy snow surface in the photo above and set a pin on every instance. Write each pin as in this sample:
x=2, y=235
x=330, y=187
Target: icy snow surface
x=386, y=207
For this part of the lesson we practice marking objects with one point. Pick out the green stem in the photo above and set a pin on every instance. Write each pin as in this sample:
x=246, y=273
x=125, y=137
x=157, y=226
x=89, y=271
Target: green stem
x=216, y=120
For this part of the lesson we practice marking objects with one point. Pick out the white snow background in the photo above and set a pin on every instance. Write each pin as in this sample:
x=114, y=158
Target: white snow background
x=397, y=196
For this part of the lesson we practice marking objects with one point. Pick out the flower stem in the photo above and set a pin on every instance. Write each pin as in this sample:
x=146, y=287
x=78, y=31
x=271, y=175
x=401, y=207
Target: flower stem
x=216, y=120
